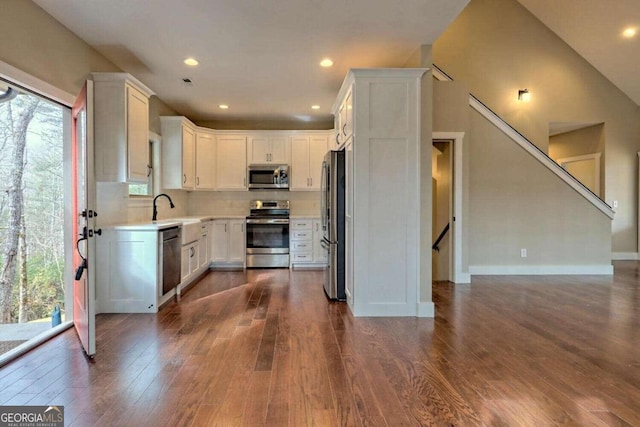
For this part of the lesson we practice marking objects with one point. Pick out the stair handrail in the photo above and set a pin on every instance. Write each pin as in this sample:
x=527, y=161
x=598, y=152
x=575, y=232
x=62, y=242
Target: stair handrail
x=436, y=245
x=531, y=148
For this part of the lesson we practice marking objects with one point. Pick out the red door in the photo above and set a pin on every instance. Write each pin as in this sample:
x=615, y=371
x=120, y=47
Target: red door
x=83, y=211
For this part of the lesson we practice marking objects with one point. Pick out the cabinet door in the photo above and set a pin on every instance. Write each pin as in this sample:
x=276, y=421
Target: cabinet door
x=279, y=150
x=237, y=242
x=317, y=151
x=137, y=135
x=203, y=251
x=348, y=222
x=219, y=241
x=319, y=253
x=258, y=151
x=348, y=172
x=347, y=126
x=205, y=161
x=188, y=156
x=231, y=163
x=342, y=122
x=184, y=266
x=194, y=257
x=299, y=163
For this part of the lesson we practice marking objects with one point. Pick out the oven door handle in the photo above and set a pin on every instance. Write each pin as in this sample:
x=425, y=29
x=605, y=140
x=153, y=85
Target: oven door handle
x=267, y=221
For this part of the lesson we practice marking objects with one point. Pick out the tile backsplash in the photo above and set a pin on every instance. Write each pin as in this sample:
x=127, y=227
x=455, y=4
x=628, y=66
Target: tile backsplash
x=115, y=207
x=237, y=202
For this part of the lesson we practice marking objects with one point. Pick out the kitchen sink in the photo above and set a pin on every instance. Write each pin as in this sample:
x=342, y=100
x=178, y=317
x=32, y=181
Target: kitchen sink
x=190, y=229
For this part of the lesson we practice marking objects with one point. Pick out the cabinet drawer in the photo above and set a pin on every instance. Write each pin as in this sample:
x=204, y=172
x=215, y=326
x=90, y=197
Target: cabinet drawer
x=305, y=257
x=301, y=234
x=301, y=224
x=300, y=246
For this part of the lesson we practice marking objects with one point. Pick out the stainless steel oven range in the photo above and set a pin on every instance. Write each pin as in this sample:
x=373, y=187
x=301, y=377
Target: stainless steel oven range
x=268, y=234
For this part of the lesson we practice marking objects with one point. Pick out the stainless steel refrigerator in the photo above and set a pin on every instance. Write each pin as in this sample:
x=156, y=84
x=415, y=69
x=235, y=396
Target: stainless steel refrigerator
x=332, y=212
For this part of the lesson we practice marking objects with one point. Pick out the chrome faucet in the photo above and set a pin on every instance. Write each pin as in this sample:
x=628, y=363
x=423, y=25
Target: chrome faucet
x=155, y=209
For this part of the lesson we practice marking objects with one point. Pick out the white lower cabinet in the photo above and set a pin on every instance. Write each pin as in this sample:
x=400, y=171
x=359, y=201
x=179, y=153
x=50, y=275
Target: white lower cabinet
x=205, y=245
x=190, y=261
x=127, y=274
x=228, y=243
x=306, y=251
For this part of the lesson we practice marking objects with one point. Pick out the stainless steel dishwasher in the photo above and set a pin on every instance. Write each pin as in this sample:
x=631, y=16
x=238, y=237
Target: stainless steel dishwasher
x=171, y=262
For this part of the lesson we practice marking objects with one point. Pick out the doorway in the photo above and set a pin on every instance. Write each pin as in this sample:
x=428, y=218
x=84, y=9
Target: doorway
x=447, y=180
x=35, y=301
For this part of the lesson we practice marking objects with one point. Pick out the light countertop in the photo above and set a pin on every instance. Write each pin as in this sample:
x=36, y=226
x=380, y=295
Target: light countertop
x=168, y=223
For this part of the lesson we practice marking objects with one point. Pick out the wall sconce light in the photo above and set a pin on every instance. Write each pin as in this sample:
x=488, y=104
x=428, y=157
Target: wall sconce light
x=524, y=95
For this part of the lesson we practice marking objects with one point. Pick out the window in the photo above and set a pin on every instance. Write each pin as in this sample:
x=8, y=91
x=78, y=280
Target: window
x=144, y=190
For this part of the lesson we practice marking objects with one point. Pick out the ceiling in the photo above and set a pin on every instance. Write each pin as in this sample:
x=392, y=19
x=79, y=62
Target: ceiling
x=593, y=28
x=262, y=57
x=259, y=57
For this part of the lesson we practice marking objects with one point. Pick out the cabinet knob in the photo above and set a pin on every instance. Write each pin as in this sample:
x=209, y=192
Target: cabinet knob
x=184, y=178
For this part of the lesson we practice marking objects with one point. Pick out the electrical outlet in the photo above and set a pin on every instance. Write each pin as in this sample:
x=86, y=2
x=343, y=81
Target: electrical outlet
x=614, y=204
x=523, y=253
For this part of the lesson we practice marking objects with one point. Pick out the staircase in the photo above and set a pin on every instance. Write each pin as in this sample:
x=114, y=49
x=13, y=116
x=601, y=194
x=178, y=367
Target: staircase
x=531, y=148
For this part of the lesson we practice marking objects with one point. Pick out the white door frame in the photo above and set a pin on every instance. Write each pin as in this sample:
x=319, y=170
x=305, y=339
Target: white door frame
x=455, y=253
x=596, y=166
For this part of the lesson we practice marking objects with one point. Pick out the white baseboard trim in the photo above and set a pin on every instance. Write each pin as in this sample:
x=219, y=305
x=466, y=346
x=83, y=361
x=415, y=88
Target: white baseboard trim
x=624, y=256
x=426, y=309
x=516, y=270
x=462, y=278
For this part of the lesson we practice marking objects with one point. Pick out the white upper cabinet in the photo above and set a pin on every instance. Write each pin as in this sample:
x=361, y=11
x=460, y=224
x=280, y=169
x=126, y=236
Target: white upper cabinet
x=307, y=153
x=317, y=151
x=263, y=149
x=231, y=162
x=121, y=105
x=178, y=153
x=188, y=157
x=343, y=121
x=196, y=158
x=205, y=160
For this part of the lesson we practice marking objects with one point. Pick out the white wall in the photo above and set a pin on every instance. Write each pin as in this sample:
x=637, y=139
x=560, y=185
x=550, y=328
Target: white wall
x=496, y=47
x=511, y=202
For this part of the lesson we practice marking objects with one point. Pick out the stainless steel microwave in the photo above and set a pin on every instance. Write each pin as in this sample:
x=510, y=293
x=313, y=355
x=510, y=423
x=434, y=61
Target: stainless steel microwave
x=268, y=177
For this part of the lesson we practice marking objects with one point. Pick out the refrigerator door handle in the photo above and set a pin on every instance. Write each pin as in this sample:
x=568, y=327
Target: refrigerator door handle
x=325, y=243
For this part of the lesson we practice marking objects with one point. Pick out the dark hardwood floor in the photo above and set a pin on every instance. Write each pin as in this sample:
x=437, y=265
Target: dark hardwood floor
x=265, y=347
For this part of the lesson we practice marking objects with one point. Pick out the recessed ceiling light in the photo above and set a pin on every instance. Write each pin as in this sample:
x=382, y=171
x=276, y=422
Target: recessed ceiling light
x=326, y=62
x=224, y=106
x=315, y=107
x=629, y=32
